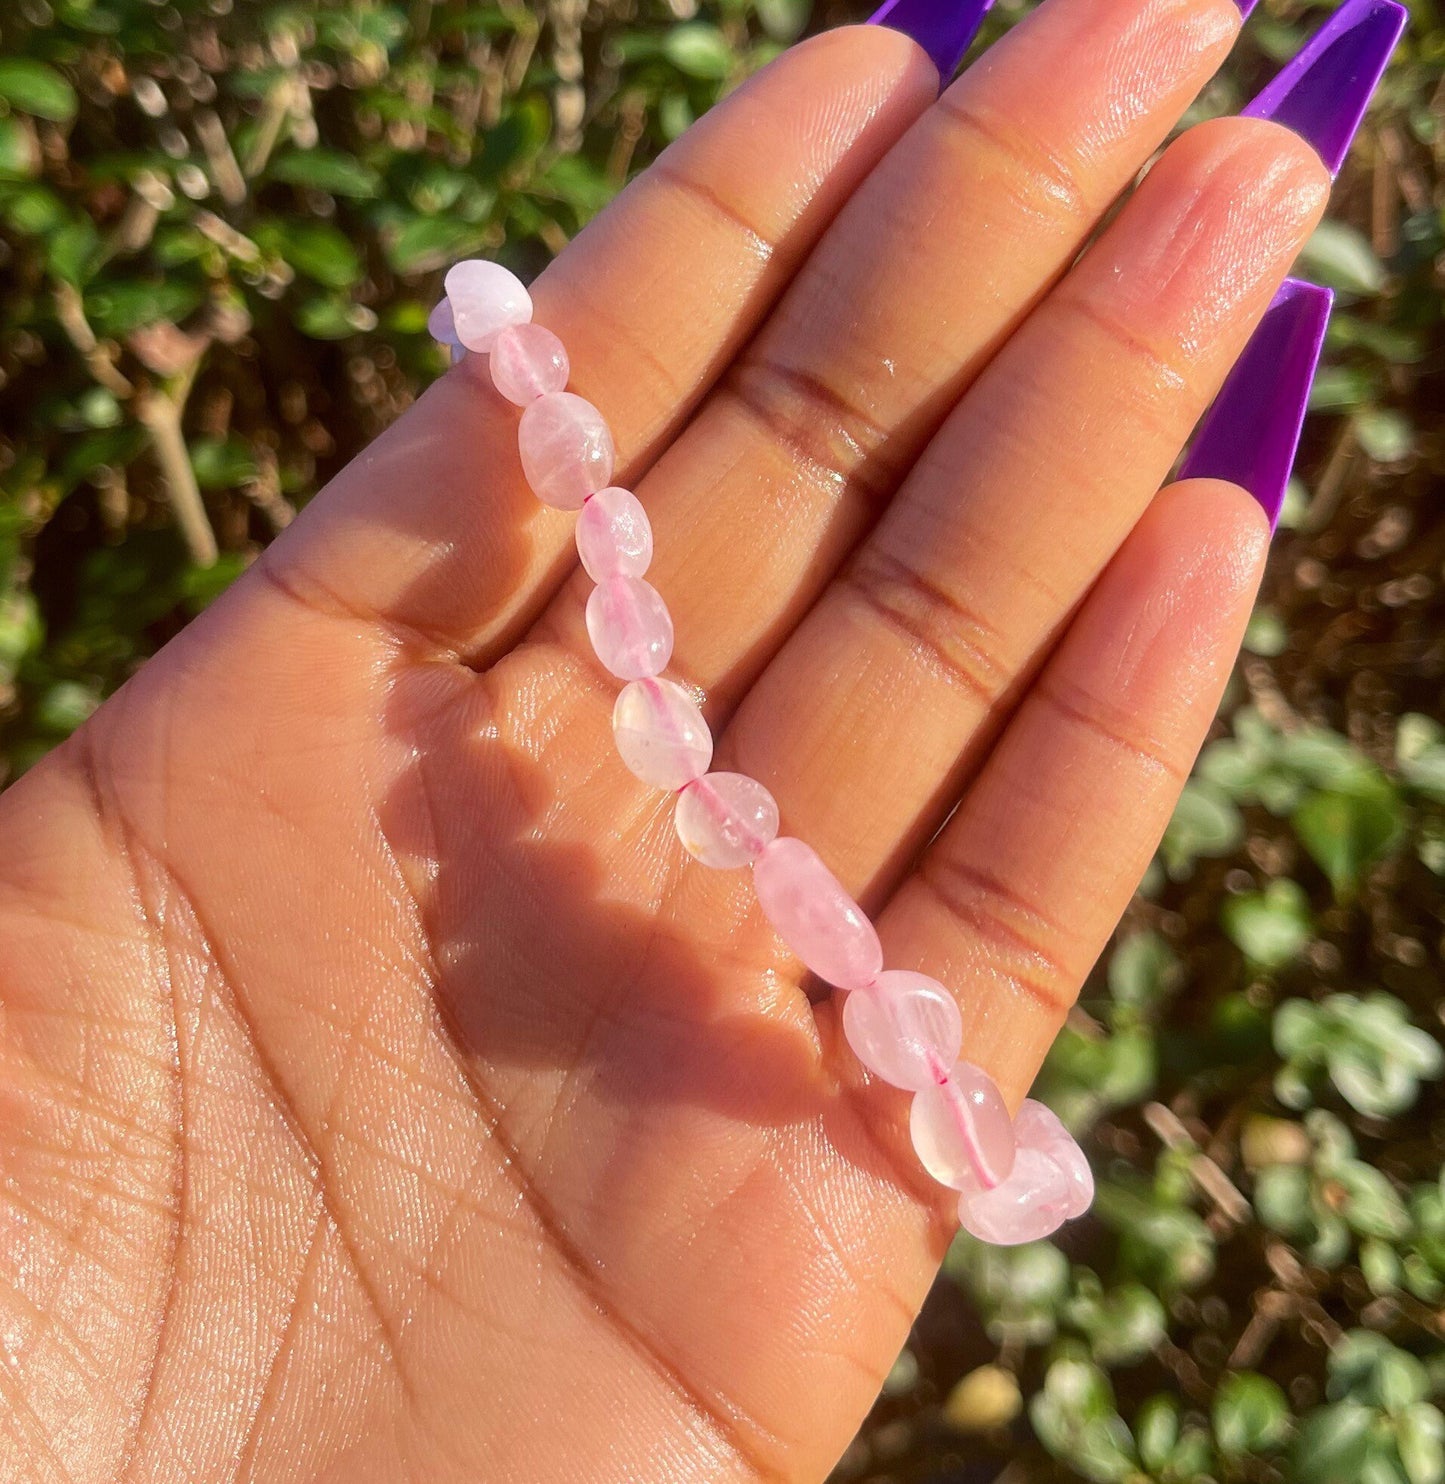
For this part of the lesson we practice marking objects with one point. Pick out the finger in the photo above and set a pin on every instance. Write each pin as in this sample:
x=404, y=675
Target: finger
x=918, y=650
x=433, y=529
x=1015, y=900
x=926, y=270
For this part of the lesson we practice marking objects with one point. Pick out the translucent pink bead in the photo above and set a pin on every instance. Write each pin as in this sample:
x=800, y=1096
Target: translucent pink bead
x=905, y=1027
x=566, y=449
x=725, y=819
x=630, y=627
x=440, y=325
x=814, y=916
x=527, y=362
x=485, y=298
x=1038, y=1127
x=1034, y=1201
x=962, y=1131
x=614, y=536
x=660, y=733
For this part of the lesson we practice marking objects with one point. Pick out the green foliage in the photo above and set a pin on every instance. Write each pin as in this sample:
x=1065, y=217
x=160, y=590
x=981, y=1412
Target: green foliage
x=239, y=215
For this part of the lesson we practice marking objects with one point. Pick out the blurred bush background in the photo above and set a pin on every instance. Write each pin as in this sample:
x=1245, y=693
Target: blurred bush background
x=221, y=227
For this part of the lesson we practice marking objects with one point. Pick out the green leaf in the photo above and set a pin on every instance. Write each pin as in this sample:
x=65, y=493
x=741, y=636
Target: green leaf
x=64, y=705
x=699, y=50
x=1075, y=1419
x=116, y=308
x=1342, y=388
x=1267, y=634
x=1123, y=1325
x=73, y=250
x=425, y=243
x=1143, y=970
x=1333, y=1443
x=1156, y=1432
x=1250, y=1414
x=1346, y=833
x=1420, y=1438
x=1365, y=1367
x=320, y=250
x=1271, y=928
x=35, y=88
x=783, y=20
x=1204, y=823
x=1372, y=1206
x=222, y=463
x=1340, y=256
x=327, y=170
x=1386, y=435
x=1381, y=1266
x=329, y=318
x=1420, y=754
x=19, y=150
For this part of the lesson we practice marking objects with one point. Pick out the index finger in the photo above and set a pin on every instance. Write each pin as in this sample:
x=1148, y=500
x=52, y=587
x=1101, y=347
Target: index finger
x=433, y=529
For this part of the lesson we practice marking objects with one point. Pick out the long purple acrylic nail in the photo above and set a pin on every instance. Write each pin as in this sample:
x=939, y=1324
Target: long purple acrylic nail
x=1322, y=94
x=943, y=28
x=1251, y=433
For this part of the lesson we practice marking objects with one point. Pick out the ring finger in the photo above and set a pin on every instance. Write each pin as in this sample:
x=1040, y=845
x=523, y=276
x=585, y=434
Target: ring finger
x=915, y=653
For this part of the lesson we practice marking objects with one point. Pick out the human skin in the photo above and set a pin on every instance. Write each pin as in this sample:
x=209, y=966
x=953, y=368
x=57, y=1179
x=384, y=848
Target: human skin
x=384, y=1095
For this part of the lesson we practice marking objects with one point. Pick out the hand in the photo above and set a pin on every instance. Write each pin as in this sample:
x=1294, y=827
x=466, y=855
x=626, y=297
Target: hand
x=384, y=1095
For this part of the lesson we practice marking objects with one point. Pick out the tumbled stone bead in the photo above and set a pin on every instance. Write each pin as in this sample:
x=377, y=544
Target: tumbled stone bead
x=814, y=916
x=630, y=627
x=905, y=1027
x=440, y=325
x=527, y=362
x=614, y=536
x=660, y=733
x=725, y=819
x=962, y=1131
x=485, y=298
x=1039, y=1127
x=566, y=449
x=1030, y=1204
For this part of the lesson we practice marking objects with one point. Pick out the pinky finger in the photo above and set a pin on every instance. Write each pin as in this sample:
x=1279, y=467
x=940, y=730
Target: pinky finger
x=1016, y=898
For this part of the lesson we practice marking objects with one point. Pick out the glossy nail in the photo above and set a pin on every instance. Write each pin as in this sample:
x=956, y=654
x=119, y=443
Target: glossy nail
x=943, y=28
x=1245, y=6
x=1322, y=94
x=1250, y=435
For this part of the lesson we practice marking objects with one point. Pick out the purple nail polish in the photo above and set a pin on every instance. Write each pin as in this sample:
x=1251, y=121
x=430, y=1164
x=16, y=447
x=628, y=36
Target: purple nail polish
x=1322, y=94
x=943, y=28
x=1245, y=6
x=1250, y=435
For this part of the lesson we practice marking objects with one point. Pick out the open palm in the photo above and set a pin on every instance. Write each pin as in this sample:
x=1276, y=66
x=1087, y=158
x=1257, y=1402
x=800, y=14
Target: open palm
x=384, y=1095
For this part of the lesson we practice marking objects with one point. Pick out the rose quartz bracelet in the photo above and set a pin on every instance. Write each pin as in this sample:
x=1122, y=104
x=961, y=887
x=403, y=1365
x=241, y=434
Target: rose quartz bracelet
x=1017, y=1178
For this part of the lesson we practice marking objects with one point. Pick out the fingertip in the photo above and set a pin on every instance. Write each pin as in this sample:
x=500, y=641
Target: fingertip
x=1216, y=516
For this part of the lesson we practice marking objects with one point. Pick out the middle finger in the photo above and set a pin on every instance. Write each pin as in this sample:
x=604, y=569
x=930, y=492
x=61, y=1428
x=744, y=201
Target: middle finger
x=936, y=257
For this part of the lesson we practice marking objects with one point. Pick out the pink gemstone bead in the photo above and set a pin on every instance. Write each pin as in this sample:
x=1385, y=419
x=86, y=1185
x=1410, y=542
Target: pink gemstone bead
x=1032, y=1203
x=440, y=325
x=630, y=627
x=527, y=362
x=962, y=1131
x=485, y=299
x=814, y=916
x=1038, y=1127
x=566, y=449
x=905, y=1027
x=660, y=733
x=614, y=536
x=725, y=819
